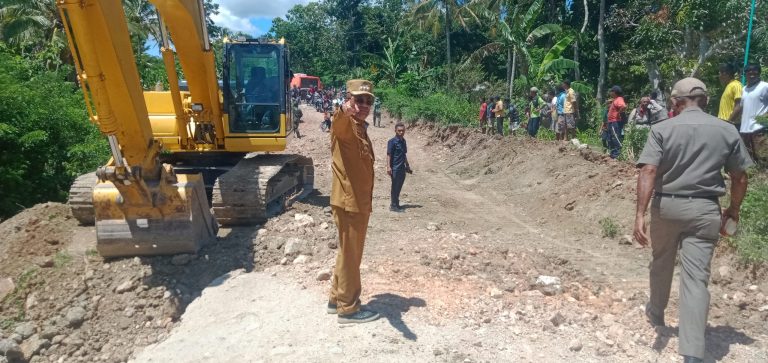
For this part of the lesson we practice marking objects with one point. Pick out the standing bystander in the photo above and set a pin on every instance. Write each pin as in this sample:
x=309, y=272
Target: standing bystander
x=731, y=95
x=483, y=114
x=570, y=110
x=498, y=112
x=615, y=121
x=397, y=165
x=297, y=115
x=535, y=110
x=351, y=197
x=682, y=162
x=377, y=112
x=754, y=103
x=561, y=128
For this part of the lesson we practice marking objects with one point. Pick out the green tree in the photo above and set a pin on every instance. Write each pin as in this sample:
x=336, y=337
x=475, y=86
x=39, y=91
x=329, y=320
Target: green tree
x=513, y=34
x=45, y=137
x=437, y=15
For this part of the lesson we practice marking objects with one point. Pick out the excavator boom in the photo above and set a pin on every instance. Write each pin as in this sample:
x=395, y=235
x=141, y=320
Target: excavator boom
x=173, y=150
x=141, y=207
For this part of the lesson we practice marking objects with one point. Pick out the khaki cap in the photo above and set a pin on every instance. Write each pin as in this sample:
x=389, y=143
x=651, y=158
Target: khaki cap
x=688, y=87
x=358, y=87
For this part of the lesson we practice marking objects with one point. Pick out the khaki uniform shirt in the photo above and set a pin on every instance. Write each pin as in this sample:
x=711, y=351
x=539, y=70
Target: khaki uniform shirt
x=352, y=155
x=690, y=151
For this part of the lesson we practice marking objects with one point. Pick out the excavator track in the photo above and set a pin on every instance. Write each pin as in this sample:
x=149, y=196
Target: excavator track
x=259, y=187
x=81, y=198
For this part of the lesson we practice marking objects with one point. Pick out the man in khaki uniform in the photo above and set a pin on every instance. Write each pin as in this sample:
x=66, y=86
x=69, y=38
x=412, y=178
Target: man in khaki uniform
x=681, y=162
x=351, y=195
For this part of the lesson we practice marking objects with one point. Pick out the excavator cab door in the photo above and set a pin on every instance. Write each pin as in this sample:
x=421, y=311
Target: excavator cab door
x=254, y=86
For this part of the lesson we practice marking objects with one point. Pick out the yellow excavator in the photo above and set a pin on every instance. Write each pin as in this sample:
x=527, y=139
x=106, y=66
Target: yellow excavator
x=172, y=151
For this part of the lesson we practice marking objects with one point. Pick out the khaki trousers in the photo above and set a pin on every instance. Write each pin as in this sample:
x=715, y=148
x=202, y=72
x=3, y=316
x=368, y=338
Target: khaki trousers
x=346, y=288
x=691, y=226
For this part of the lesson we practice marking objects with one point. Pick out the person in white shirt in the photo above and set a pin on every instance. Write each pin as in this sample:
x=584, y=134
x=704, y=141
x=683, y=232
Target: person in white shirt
x=754, y=103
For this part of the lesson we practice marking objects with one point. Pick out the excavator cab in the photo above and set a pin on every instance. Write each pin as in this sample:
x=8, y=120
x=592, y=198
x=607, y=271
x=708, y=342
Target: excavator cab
x=254, y=86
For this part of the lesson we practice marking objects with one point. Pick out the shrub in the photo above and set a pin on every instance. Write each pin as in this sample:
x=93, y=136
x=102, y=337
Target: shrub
x=45, y=135
x=634, y=141
x=751, y=241
x=610, y=227
x=437, y=107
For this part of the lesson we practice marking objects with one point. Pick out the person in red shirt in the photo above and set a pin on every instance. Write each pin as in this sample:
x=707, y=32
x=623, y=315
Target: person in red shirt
x=616, y=120
x=481, y=119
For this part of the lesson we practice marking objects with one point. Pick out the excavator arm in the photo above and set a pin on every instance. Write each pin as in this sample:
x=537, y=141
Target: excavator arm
x=142, y=207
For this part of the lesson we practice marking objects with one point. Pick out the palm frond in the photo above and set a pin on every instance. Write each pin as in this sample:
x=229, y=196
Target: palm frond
x=482, y=52
x=543, y=30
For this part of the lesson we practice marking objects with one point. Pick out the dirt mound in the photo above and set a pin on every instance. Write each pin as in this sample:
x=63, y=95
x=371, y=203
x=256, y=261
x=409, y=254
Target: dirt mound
x=69, y=304
x=568, y=189
x=34, y=235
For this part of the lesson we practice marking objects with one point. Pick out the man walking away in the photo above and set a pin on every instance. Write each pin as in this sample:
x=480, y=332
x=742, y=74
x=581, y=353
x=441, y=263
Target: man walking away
x=615, y=125
x=731, y=95
x=351, y=197
x=536, y=107
x=682, y=162
x=498, y=112
x=397, y=165
x=570, y=110
x=482, y=116
x=754, y=102
x=377, y=112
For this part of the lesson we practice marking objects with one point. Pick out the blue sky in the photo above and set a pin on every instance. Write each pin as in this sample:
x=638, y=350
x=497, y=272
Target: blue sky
x=253, y=17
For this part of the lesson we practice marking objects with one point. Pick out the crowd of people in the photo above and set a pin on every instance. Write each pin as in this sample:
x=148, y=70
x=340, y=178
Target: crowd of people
x=328, y=102
x=555, y=110
x=558, y=110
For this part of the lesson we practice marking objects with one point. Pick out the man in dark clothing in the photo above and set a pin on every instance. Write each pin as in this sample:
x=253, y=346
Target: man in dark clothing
x=397, y=165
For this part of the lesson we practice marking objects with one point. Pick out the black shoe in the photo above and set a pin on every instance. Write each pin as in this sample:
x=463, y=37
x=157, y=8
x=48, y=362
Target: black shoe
x=652, y=318
x=396, y=209
x=331, y=308
x=361, y=316
x=690, y=359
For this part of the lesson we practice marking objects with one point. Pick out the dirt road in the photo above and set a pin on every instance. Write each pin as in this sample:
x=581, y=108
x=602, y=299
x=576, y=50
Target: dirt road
x=454, y=275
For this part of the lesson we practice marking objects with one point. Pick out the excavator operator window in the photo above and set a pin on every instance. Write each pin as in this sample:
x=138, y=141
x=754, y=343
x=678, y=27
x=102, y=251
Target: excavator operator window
x=254, y=88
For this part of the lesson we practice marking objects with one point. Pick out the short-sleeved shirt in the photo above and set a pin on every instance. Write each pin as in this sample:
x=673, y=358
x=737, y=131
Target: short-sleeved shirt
x=561, y=103
x=352, y=164
x=397, y=149
x=489, y=111
x=499, y=109
x=377, y=106
x=570, y=99
x=616, y=108
x=535, y=105
x=728, y=99
x=754, y=102
x=554, y=107
x=690, y=150
x=483, y=107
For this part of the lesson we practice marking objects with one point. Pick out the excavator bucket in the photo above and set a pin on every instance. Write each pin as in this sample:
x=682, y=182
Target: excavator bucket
x=177, y=223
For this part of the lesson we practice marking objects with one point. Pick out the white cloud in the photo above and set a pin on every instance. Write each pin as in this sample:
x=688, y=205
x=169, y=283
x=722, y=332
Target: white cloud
x=227, y=19
x=259, y=8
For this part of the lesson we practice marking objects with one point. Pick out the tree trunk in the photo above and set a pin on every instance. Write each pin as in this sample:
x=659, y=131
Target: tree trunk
x=601, y=46
x=654, y=76
x=448, y=43
x=514, y=68
x=577, y=72
x=510, y=70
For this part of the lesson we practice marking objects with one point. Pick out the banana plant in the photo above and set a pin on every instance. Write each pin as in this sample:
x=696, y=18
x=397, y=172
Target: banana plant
x=513, y=32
